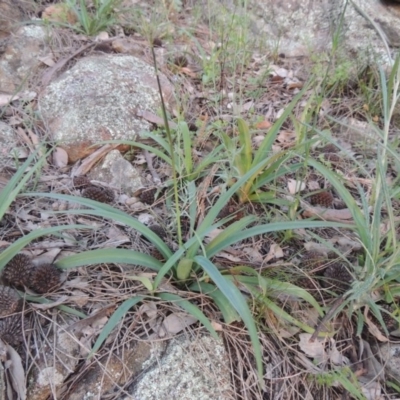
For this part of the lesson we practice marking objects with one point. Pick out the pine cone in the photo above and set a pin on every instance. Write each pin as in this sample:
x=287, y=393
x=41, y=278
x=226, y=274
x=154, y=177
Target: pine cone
x=148, y=196
x=231, y=209
x=154, y=252
x=10, y=302
x=159, y=230
x=337, y=277
x=16, y=272
x=180, y=61
x=11, y=330
x=329, y=148
x=81, y=182
x=312, y=259
x=323, y=199
x=44, y=278
x=100, y=194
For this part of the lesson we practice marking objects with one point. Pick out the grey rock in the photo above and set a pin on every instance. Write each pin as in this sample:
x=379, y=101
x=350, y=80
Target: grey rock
x=390, y=355
x=8, y=143
x=119, y=173
x=19, y=63
x=101, y=98
x=192, y=369
x=301, y=28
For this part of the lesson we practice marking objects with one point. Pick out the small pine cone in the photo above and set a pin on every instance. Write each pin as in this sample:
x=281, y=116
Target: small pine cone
x=16, y=272
x=390, y=322
x=185, y=226
x=337, y=278
x=231, y=209
x=81, y=182
x=100, y=194
x=312, y=259
x=148, y=196
x=332, y=157
x=11, y=330
x=10, y=302
x=159, y=230
x=323, y=199
x=329, y=148
x=154, y=252
x=180, y=61
x=44, y=278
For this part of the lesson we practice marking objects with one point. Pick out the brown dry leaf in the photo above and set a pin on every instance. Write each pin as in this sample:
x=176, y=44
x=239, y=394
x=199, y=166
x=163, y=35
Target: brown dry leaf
x=155, y=119
x=176, y=322
x=47, y=60
x=343, y=215
x=116, y=238
x=263, y=124
x=295, y=85
x=59, y=13
x=315, y=350
x=91, y=160
x=286, y=137
x=17, y=373
x=275, y=251
x=187, y=71
x=7, y=98
x=60, y=158
x=255, y=255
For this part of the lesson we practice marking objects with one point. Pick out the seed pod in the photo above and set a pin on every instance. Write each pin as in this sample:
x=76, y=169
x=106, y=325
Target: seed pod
x=159, y=230
x=329, y=148
x=148, y=196
x=337, y=277
x=100, y=194
x=10, y=302
x=323, y=199
x=44, y=278
x=11, y=330
x=16, y=272
x=81, y=182
x=312, y=259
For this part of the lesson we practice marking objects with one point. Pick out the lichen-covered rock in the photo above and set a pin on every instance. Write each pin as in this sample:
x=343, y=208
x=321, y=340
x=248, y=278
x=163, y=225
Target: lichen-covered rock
x=306, y=27
x=101, y=98
x=20, y=61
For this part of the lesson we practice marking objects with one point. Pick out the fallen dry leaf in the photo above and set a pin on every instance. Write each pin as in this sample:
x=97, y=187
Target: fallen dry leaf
x=17, y=373
x=177, y=322
x=315, y=350
x=295, y=186
x=275, y=251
